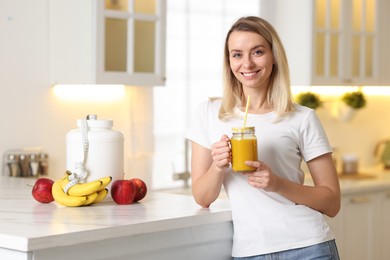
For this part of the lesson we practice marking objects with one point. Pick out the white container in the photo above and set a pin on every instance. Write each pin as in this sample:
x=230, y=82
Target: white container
x=104, y=152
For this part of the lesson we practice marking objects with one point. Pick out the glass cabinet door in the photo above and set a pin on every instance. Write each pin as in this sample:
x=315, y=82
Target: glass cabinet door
x=145, y=13
x=144, y=46
x=363, y=37
x=131, y=36
x=345, y=36
x=115, y=51
x=327, y=38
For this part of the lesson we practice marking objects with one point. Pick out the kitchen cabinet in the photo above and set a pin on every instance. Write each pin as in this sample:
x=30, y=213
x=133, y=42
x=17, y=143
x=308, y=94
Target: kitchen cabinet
x=384, y=226
x=107, y=42
x=356, y=237
x=334, y=42
x=362, y=227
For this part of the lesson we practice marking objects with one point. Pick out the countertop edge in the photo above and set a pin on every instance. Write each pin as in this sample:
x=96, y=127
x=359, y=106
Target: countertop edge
x=26, y=244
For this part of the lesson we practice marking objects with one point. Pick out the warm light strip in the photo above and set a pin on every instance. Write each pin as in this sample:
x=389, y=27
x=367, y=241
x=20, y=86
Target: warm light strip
x=339, y=90
x=84, y=92
x=377, y=91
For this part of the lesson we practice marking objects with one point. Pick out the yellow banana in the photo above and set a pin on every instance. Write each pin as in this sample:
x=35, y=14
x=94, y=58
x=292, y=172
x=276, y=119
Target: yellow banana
x=62, y=198
x=81, y=189
x=91, y=198
x=105, y=181
x=101, y=195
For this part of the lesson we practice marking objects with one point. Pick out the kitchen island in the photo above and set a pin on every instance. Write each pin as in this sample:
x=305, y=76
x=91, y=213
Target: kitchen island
x=161, y=226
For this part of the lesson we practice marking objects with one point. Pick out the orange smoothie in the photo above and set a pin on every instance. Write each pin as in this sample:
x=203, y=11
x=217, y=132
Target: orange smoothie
x=243, y=150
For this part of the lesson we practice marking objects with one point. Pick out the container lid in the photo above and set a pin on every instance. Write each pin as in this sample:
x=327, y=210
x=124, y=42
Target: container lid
x=92, y=121
x=350, y=158
x=243, y=129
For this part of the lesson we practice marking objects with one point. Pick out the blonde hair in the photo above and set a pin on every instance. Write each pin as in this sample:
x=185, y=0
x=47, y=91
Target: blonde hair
x=279, y=94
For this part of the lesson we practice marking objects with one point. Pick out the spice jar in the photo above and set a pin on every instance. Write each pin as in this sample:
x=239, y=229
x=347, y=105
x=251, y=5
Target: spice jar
x=244, y=148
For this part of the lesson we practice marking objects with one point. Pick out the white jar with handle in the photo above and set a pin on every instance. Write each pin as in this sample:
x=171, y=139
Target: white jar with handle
x=95, y=149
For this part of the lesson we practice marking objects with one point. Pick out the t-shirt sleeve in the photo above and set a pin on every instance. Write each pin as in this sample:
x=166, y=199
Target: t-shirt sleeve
x=198, y=130
x=314, y=140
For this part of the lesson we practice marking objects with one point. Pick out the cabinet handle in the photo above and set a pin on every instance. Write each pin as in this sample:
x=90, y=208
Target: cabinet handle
x=346, y=80
x=360, y=200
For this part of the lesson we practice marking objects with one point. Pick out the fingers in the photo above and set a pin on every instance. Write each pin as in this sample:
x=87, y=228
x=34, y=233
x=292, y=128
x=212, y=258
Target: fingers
x=221, y=152
x=225, y=138
x=261, y=180
x=262, y=177
x=257, y=164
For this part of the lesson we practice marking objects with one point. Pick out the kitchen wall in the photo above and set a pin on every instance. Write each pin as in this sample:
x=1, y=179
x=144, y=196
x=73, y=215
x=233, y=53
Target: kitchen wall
x=361, y=134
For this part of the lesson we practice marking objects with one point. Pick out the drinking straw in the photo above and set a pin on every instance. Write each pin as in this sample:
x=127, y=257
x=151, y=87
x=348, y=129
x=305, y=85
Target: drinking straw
x=246, y=109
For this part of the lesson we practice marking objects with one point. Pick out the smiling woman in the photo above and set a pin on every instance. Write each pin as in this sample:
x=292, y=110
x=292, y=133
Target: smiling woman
x=270, y=203
x=100, y=93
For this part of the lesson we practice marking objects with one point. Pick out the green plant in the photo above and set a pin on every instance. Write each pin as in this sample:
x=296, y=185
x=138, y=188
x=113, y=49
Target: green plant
x=355, y=99
x=309, y=99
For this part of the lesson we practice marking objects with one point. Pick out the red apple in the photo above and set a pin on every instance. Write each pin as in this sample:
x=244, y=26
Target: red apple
x=123, y=191
x=140, y=189
x=41, y=190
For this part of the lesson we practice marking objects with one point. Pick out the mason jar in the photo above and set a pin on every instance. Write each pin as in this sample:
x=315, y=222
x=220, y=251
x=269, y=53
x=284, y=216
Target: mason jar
x=244, y=148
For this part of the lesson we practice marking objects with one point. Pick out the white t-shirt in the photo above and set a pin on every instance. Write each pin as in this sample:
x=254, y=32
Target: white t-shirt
x=266, y=222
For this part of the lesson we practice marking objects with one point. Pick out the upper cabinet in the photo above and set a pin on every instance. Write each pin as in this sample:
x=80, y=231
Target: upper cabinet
x=107, y=42
x=334, y=42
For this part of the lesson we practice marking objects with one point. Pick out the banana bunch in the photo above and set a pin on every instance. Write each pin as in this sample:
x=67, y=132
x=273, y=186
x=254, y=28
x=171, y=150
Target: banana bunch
x=80, y=194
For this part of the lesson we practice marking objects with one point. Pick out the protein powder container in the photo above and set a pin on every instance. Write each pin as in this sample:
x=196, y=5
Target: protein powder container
x=95, y=149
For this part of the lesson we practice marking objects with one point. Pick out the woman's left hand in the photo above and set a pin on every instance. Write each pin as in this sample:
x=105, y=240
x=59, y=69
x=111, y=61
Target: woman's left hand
x=262, y=177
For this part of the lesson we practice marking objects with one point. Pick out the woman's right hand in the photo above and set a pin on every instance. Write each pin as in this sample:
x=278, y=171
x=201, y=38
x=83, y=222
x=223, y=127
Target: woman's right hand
x=221, y=153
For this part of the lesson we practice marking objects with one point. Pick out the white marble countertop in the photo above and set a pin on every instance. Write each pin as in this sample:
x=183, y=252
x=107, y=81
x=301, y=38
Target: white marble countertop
x=27, y=225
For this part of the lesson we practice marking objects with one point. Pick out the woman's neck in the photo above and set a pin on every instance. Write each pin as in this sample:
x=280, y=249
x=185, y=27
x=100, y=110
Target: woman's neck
x=258, y=104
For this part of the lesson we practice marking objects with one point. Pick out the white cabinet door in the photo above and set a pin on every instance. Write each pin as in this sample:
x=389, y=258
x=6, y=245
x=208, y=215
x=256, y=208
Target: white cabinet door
x=336, y=224
x=107, y=42
x=358, y=227
x=383, y=250
x=357, y=218
x=362, y=227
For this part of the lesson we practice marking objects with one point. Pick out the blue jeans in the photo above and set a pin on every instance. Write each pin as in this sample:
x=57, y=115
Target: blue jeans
x=323, y=251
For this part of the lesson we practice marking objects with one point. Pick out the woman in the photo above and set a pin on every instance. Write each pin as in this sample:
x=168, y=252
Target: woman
x=274, y=214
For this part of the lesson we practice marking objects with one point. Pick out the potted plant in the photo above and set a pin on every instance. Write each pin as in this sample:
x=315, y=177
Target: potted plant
x=350, y=102
x=309, y=99
x=355, y=99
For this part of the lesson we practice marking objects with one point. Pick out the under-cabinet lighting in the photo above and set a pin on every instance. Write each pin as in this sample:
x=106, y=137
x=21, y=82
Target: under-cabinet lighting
x=84, y=92
x=376, y=91
x=340, y=90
